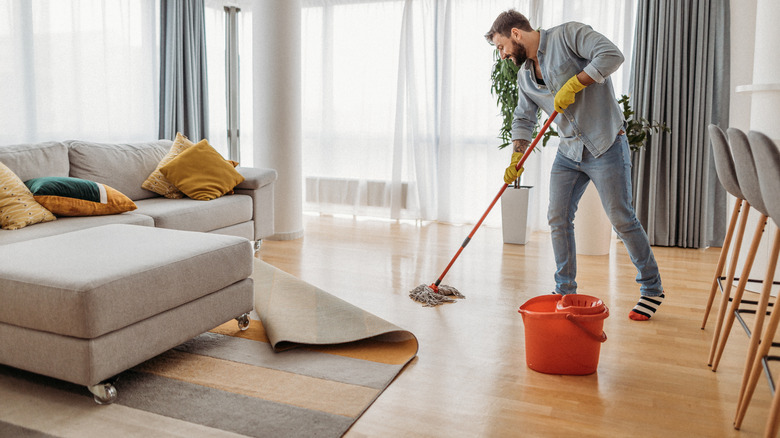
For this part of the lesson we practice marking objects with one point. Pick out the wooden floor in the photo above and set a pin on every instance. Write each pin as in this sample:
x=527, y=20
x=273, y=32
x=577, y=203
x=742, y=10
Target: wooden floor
x=470, y=377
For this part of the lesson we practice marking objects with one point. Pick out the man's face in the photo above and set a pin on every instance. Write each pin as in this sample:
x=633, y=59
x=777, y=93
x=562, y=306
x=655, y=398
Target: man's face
x=508, y=47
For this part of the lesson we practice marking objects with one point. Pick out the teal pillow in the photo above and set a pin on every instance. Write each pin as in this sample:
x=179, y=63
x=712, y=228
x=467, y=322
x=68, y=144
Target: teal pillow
x=64, y=186
x=65, y=196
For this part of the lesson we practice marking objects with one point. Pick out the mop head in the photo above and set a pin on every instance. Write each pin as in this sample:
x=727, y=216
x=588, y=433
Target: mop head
x=429, y=297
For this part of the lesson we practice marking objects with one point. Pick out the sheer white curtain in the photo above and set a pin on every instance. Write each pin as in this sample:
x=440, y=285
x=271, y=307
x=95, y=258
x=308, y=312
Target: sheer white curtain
x=350, y=68
x=398, y=117
x=85, y=69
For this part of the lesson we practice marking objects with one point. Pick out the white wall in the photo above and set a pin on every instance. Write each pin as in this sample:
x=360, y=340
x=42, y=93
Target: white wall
x=743, y=44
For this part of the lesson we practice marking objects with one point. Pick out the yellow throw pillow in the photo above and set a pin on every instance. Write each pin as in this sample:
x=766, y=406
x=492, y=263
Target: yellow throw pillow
x=156, y=181
x=201, y=173
x=18, y=208
x=66, y=196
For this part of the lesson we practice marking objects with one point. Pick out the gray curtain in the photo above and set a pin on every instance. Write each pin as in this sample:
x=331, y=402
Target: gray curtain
x=680, y=76
x=183, y=78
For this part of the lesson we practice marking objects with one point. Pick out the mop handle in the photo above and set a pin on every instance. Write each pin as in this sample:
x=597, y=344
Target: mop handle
x=498, y=196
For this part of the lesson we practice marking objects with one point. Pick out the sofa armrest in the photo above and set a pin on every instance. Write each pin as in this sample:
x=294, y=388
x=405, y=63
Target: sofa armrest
x=259, y=184
x=255, y=177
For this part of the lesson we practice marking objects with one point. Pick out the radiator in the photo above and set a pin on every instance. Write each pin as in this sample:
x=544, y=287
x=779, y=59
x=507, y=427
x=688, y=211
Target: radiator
x=353, y=192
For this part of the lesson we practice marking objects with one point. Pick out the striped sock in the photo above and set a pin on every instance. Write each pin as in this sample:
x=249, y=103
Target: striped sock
x=645, y=308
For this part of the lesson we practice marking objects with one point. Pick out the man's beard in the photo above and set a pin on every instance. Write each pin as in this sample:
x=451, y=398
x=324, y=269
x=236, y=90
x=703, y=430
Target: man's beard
x=519, y=55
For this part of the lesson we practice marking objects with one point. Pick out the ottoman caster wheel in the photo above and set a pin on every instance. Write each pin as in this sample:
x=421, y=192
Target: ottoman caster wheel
x=257, y=245
x=103, y=393
x=243, y=321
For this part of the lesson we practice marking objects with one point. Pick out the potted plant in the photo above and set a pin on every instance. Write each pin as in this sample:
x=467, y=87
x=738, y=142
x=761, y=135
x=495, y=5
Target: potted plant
x=514, y=202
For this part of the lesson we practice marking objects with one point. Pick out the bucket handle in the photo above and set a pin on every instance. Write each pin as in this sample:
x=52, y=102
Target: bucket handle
x=595, y=337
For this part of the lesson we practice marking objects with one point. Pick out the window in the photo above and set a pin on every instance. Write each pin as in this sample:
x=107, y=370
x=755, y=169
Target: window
x=85, y=69
x=230, y=104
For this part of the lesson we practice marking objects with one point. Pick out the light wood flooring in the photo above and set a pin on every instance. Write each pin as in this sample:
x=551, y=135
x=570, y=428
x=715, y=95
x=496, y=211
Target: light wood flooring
x=470, y=378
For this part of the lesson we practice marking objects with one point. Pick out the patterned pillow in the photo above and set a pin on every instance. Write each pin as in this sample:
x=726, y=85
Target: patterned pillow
x=156, y=181
x=201, y=172
x=18, y=208
x=66, y=196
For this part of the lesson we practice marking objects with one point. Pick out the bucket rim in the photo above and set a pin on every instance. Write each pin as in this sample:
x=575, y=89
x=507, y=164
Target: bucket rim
x=580, y=304
x=554, y=313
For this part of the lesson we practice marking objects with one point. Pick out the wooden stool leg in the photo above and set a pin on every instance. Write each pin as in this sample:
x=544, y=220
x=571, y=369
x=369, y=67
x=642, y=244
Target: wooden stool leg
x=756, y=369
x=724, y=251
x=737, y=300
x=724, y=301
x=774, y=412
x=760, y=314
x=763, y=349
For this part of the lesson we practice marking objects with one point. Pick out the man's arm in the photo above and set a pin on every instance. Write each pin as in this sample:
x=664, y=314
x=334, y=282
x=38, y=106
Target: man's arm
x=523, y=122
x=604, y=55
x=585, y=78
x=520, y=145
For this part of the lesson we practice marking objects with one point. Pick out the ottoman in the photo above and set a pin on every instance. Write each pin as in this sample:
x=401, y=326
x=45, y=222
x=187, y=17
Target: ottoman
x=87, y=305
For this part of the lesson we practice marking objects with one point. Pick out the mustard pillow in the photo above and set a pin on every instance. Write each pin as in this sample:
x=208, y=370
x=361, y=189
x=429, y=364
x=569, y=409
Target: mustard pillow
x=65, y=196
x=201, y=173
x=156, y=181
x=18, y=208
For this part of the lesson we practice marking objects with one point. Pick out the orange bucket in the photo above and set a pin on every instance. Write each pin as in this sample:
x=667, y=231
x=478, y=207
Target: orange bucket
x=564, y=333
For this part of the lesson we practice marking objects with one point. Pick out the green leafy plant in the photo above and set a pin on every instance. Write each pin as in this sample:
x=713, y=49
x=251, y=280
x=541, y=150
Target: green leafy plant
x=637, y=130
x=504, y=89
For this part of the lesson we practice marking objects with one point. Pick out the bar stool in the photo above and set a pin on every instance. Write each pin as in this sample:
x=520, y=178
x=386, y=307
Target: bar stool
x=724, y=166
x=745, y=168
x=767, y=161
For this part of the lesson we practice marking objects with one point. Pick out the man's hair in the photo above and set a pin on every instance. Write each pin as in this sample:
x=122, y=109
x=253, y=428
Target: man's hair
x=505, y=22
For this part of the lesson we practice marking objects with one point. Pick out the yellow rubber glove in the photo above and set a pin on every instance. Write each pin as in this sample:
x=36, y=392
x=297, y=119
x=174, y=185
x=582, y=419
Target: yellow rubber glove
x=565, y=95
x=512, y=173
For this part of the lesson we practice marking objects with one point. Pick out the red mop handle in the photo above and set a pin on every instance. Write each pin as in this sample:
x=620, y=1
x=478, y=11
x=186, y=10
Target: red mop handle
x=526, y=154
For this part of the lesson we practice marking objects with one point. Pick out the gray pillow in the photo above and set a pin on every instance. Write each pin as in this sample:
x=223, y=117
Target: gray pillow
x=122, y=166
x=29, y=161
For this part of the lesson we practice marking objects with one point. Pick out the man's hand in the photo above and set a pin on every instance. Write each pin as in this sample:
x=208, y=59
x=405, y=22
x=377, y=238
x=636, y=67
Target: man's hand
x=565, y=95
x=512, y=173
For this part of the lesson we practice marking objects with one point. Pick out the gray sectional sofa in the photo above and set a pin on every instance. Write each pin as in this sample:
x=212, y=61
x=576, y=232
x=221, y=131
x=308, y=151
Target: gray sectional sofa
x=84, y=298
x=248, y=213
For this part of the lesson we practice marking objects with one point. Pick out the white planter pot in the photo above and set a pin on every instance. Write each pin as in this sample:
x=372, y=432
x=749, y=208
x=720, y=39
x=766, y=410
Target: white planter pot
x=514, y=214
x=592, y=229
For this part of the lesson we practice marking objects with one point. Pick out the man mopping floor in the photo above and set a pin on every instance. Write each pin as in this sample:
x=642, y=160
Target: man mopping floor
x=557, y=67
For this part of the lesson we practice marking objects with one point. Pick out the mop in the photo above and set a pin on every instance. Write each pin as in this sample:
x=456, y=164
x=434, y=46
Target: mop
x=437, y=293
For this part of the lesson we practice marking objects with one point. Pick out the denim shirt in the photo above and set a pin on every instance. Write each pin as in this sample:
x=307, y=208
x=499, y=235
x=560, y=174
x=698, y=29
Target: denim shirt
x=595, y=117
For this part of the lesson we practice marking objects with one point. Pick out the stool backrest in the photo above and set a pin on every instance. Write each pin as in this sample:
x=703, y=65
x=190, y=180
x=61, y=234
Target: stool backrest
x=746, y=169
x=767, y=157
x=724, y=164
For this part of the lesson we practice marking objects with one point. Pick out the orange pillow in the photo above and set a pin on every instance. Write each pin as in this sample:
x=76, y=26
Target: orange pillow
x=201, y=173
x=65, y=196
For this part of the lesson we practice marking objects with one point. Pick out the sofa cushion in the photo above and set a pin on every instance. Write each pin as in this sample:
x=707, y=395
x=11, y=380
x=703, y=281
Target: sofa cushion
x=157, y=182
x=121, y=166
x=201, y=173
x=72, y=223
x=18, y=208
x=95, y=279
x=66, y=196
x=33, y=160
x=193, y=215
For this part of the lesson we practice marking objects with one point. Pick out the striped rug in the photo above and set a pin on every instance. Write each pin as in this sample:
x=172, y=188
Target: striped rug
x=229, y=383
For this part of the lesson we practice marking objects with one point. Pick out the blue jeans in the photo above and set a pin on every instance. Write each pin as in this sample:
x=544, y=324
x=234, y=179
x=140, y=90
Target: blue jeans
x=611, y=173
